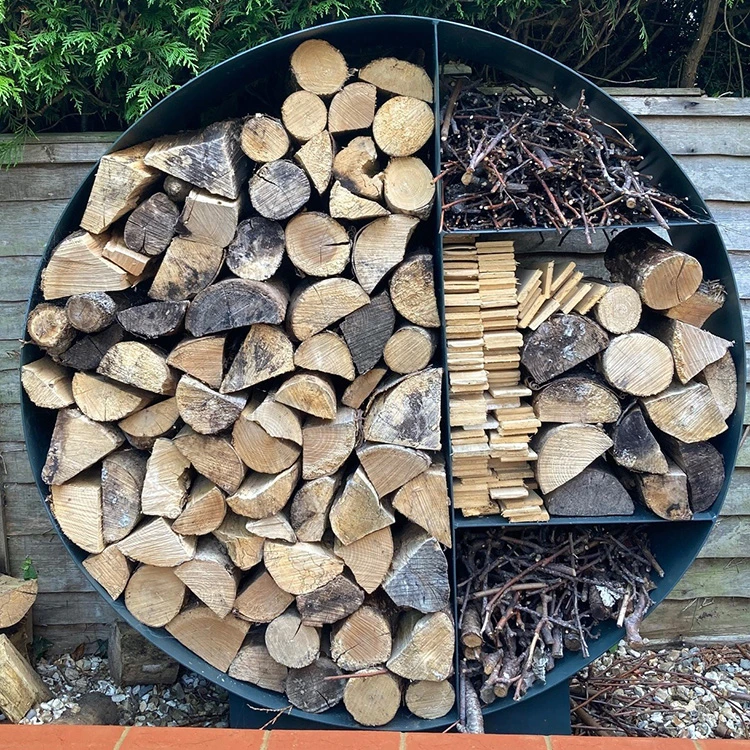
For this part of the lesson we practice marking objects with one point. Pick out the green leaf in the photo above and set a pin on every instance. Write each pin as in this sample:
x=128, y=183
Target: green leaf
x=28, y=570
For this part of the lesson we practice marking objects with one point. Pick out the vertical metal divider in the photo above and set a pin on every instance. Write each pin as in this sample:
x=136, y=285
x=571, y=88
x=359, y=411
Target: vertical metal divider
x=440, y=294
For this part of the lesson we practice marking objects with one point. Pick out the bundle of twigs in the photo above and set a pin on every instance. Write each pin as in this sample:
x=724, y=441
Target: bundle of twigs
x=512, y=158
x=526, y=596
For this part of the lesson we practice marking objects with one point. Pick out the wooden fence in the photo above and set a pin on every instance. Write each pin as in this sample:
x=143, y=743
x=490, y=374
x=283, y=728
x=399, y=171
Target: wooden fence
x=711, y=139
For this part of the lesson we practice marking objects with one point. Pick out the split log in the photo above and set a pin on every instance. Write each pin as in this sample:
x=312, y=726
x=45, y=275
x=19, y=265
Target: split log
x=205, y=410
x=153, y=320
x=662, y=276
x=352, y=108
x=686, y=412
x=379, y=246
x=256, y=251
x=402, y=125
x=212, y=638
x=110, y=569
x=389, y=467
x=244, y=549
x=136, y=264
x=166, y=482
x=409, y=349
x=565, y=451
x=176, y=189
x=344, y=204
x=634, y=447
x=276, y=526
x=699, y=307
x=703, y=466
x=430, y=700
x=186, y=270
x=665, y=494
x=559, y=344
x=332, y=602
x=255, y=665
x=259, y=450
x=619, y=308
x=77, y=442
x=321, y=303
x=596, y=491
x=209, y=219
x=369, y=558
x=77, y=266
x=21, y=687
x=576, y=398
x=308, y=512
x=408, y=412
x=77, y=506
x=155, y=421
x=210, y=575
x=316, y=158
x=154, y=596
x=262, y=495
x=47, y=384
x=304, y=115
x=309, y=690
x=317, y=244
x=424, y=500
x=104, y=400
x=408, y=187
x=290, y=642
x=412, y=288
x=302, y=567
x=264, y=138
x=123, y=473
x=319, y=67
x=150, y=228
x=49, y=328
x=203, y=358
x=398, y=77
x=327, y=443
x=423, y=647
x=361, y=640
x=139, y=365
x=265, y=353
x=325, y=352
x=278, y=420
x=87, y=352
x=693, y=349
x=638, y=364
x=121, y=179
x=356, y=167
x=358, y=511
x=235, y=303
x=211, y=158
x=261, y=600
x=154, y=543
x=372, y=700
x=418, y=577
x=362, y=387
x=279, y=189
x=16, y=598
x=90, y=312
x=721, y=378
x=368, y=330
x=204, y=510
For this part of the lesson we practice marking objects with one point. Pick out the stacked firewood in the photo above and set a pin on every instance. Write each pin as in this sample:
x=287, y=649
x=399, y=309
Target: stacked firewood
x=283, y=497
x=525, y=598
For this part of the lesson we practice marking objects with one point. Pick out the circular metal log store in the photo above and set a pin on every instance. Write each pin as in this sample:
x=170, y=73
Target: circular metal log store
x=256, y=80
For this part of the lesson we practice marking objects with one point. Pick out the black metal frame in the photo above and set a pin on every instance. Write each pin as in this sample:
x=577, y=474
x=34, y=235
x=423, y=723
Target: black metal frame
x=251, y=80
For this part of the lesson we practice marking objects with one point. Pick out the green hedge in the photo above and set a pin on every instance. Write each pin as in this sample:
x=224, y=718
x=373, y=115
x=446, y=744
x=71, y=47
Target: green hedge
x=92, y=64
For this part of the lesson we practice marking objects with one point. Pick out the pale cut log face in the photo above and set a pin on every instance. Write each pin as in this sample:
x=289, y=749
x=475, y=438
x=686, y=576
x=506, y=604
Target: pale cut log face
x=253, y=408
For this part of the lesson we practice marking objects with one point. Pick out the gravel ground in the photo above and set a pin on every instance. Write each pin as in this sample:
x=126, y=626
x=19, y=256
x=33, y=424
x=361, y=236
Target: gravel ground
x=678, y=692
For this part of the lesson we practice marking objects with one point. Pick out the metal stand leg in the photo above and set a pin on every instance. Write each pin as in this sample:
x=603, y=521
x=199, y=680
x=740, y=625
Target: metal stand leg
x=547, y=713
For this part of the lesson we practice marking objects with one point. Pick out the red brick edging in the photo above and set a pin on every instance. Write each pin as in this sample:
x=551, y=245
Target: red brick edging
x=61, y=737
